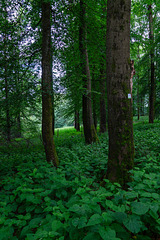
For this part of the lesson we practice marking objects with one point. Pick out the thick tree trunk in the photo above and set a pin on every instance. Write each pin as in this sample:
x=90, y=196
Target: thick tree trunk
x=88, y=125
x=103, y=118
x=47, y=107
x=152, y=78
x=120, y=119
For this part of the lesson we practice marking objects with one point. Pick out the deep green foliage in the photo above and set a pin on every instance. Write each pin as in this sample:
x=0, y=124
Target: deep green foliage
x=39, y=202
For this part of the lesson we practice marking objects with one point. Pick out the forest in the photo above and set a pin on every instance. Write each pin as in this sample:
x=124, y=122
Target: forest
x=79, y=119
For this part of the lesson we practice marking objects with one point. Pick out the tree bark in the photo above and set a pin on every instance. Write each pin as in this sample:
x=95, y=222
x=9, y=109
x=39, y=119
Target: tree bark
x=120, y=118
x=76, y=121
x=47, y=107
x=103, y=115
x=138, y=109
x=19, y=99
x=8, y=124
x=94, y=101
x=152, y=78
x=88, y=125
x=142, y=106
x=138, y=98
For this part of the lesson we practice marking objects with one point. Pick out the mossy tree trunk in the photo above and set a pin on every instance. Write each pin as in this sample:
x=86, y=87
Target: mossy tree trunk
x=47, y=107
x=88, y=125
x=152, y=77
x=120, y=119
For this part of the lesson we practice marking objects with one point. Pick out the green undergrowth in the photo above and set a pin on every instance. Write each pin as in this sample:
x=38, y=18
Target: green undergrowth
x=39, y=202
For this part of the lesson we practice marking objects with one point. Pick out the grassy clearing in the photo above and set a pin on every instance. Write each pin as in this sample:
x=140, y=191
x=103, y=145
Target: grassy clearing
x=39, y=202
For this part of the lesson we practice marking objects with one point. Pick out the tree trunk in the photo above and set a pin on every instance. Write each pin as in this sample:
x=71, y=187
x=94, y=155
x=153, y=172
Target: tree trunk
x=88, y=125
x=76, y=121
x=120, y=119
x=19, y=94
x=18, y=128
x=94, y=101
x=8, y=125
x=7, y=108
x=47, y=107
x=138, y=110
x=53, y=114
x=142, y=106
x=152, y=78
x=138, y=99
x=103, y=117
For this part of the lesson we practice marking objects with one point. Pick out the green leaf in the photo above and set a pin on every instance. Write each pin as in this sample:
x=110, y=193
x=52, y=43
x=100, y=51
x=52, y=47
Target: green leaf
x=24, y=231
x=108, y=233
x=47, y=199
x=30, y=197
x=61, y=238
x=154, y=214
x=35, y=222
x=154, y=207
x=106, y=216
x=74, y=208
x=94, y=219
x=56, y=225
x=82, y=222
x=155, y=196
x=146, y=194
x=75, y=222
x=139, y=208
x=80, y=191
x=6, y=233
x=2, y=220
x=133, y=224
x=91, y=236
x=131, y=195
x=121, y=232
x=109, y=203
x=120, y=216
x=30, y=208
x=41, y=234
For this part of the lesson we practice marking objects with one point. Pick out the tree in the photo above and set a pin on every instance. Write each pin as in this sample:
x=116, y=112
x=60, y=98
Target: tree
x=120, y=123
x=89, y=129
x=18, y=81
x=145, y=40
x=103, y=117
x=6, y=70
x=47, y=107
x=152, y=77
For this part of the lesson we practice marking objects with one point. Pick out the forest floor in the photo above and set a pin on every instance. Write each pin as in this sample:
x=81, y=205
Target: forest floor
x=38, y=201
